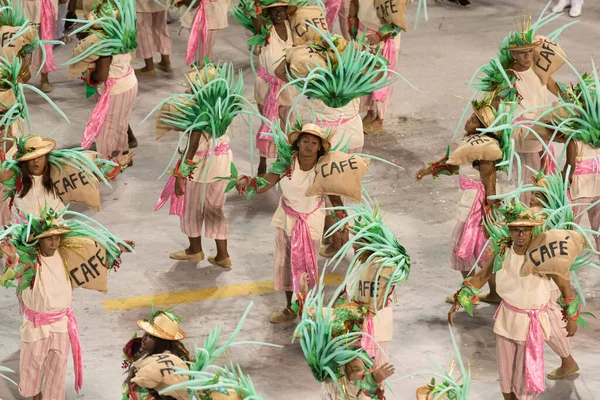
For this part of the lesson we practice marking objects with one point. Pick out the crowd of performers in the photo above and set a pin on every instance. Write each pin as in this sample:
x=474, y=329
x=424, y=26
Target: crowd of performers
x=526, y=244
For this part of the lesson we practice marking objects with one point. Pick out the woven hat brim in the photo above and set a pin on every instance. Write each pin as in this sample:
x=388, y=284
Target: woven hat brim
x=523, y=223
x=291, y=8
x=295, y=135
x=150, y=329
x=50, y=145
x=526, y=47
x=53, y=232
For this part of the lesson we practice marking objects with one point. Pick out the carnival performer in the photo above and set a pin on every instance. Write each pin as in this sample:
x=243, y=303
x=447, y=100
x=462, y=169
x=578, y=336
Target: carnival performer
x=300, y=218
x=522, y=320
x=105, y=62
x=30, y=175
x=478, y=182
x=37, y=259
x=153, y=37
x=363, y=15
x=273, y=103
x=196, y=187
x=204, y=19
x=156, y=353
x=43, y=13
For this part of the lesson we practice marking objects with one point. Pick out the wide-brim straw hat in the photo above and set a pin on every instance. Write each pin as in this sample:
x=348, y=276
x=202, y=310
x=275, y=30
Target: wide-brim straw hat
x=525, y=219
x=36, y=147
x=311, y=129
x=163, y=327
x=54, y=231
x=290, y=7
x=525, y=47
x=485, y=114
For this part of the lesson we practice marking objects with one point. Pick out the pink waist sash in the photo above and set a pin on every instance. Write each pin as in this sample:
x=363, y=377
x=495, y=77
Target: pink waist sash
x=96, y=121
x=390, y=54
x=303, y=254
x=473, y=238
x=220, y=150
x=48, y=19
x=49, y=318
x=199, y=27
x=534, y=348
x=586, y=167
x=270, y=109
x=177, y=204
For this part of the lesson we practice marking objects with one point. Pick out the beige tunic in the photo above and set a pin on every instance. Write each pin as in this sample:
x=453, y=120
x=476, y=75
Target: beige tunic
x=51, y=292
x=350, y=132
x=120, y=70
x=33, y=10
x=587, y=185
x=219, y=165
x=150, y=6
x=367, y=17
x=37, y=198
x=293, y=192
x=530, y=292
x=216, y=14
x=535, y=94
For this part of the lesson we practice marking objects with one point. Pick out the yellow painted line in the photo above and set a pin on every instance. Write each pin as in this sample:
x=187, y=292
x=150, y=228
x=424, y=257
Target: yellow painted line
x=197, y=295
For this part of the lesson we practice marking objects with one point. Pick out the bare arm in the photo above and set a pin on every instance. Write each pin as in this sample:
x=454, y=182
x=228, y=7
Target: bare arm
x=353, y=17
x=571, y=160
x=100, y=74
x=336, y=201
x=5, y=175
x=487, y=172
x=281, y=70
x=567, y=293
x=258, y=22
x=189, y=156
x=244, y=181
x=553, y=87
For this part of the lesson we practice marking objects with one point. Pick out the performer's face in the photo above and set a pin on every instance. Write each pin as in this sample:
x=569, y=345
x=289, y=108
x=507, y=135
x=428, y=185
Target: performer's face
x=49, y=245
x=148, y=343
x=309, y=145
x=472, y=124
x=278, y=14
x=523, y=58
x=37, y=165
x=521, y=236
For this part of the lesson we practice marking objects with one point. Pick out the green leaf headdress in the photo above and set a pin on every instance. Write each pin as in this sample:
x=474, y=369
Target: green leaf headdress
x=118, y=33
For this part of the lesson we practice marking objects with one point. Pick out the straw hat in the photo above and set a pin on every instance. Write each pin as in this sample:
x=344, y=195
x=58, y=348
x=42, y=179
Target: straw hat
x=524, y=47
x=162, y=327
x=35, y=147
x=485, y=113
x=311, y=129
x=290, y=8
x=53, y=231
x=526, y=218
x=425, y=393
x=231, y=395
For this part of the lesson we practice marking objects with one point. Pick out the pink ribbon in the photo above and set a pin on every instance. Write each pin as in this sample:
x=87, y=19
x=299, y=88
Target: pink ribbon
x=534, y=349
x=49, y=318
x=96, y=121
x=332, y=9
x=220, y=150
x=48, y=19
x=199, y=27
x=390, y=54
x=587, y=167
x=549, y=164
x=270, y=109
x=177, y=204
x=366, y=342
x=473, y=238
x=303, y=256
x=334, y=124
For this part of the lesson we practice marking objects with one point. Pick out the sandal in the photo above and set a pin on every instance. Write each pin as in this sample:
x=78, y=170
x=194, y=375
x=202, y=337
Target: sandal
x=281, y=317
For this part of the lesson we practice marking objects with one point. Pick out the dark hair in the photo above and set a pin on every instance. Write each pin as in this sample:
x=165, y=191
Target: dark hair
x=27, y=180
x=295, y=147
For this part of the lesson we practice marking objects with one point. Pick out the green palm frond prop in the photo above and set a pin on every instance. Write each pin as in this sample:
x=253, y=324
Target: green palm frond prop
x=354, y=73
x=4, y=370
x=285, y=152
x=502, y=128
x=308, y=3
x=118, y=34
x=243, y=11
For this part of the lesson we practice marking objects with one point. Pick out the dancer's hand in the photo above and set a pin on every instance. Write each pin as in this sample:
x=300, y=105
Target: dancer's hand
x=571, y=327
x=9, y=249
x=303, y=284
x=178, y=187
x=383, y=372
x=455, y=307
x=242, y=185
x=125, y=159
x=423, y=172
x=123, y=249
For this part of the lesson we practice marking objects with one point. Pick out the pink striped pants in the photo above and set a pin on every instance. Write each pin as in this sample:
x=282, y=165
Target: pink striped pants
x=211, y=40
x=532, y=160
x=113, y=136
x=211, y=215
x=593, y=214
x=282, y=263
x=153, y=34
x=45, y=358
x=511, y=353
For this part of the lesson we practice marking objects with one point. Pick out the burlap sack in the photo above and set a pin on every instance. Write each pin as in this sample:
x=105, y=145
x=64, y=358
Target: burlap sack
x=158, y=372
x=220, y=396
x=161, y=127
x=365, y=287
x=392, y=12
x=7, y=99
x=302, y=59
x=340, y=174
x=301, y=33
x=10, y=50
x=85, y=260
x=73, y=185
x=76, y=70
x=546, y=58
x=553, y=252
x=202, y=76
x=475, y=148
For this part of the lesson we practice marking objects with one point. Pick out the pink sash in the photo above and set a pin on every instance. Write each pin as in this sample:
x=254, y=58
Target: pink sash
x=48, y=19
x=49, y=318
x=270, y=109
x=586, y=167
x=332, y=9
x=96, y=121
x=390, y=54
x=303, y=254
x=199, y=27
x=177, y=205
x=366, y=342
x=473, y=238
x=534, y=349
x=334, y=124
